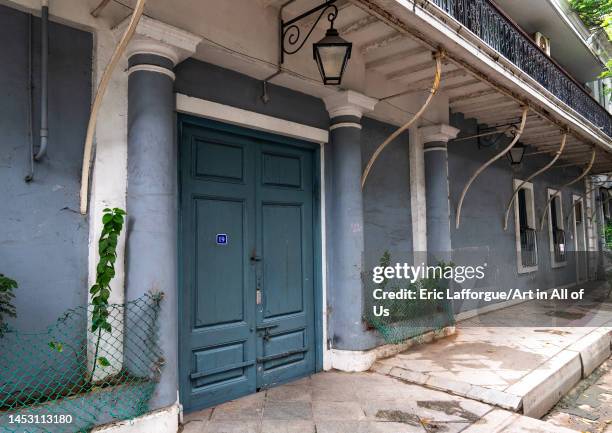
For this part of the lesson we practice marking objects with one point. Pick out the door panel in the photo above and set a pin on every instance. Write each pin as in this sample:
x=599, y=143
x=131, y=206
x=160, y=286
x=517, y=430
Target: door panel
x=220, y=298
x=217, y=335
x=247, y=297
x=285, y=215
x=282, y=249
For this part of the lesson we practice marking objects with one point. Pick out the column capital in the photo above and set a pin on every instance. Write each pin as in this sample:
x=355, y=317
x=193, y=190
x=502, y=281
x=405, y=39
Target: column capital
x=438, y=133
x=160, y=39
x=348, y=103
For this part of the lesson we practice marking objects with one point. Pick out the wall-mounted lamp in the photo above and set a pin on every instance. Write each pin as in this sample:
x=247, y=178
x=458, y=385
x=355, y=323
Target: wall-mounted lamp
x=516, y=154
x=331, y=53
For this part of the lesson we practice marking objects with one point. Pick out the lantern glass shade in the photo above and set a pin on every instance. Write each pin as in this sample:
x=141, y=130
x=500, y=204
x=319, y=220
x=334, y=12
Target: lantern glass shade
x=516, y=154
x=331, y=54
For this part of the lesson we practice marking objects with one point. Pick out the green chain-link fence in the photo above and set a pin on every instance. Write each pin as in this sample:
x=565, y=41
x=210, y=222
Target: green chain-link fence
x=405, y=318
x=49, y=382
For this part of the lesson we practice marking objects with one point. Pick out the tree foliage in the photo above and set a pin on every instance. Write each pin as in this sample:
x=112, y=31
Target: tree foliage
x=593, y=13
x=596, y=14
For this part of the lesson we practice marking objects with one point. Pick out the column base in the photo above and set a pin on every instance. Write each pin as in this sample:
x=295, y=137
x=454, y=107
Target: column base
x=165, y=420
x=363, y=360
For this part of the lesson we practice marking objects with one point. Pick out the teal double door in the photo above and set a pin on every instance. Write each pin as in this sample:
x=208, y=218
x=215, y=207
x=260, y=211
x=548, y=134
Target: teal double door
x=247, y=271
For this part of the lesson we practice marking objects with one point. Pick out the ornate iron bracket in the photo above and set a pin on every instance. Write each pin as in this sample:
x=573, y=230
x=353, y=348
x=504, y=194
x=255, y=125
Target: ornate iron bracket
x=291, y=41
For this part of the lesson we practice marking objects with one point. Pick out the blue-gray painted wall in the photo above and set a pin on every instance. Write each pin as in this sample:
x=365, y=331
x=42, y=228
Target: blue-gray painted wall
x=386, y=201
x=480, y=238
x=43, y=238
x=213, y=83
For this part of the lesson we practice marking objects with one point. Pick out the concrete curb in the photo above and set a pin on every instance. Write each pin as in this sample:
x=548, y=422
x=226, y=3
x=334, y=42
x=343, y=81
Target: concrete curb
x=541, y=389
x=462, y=389
x=537, y=392
x=594, y=349
x=500, y=421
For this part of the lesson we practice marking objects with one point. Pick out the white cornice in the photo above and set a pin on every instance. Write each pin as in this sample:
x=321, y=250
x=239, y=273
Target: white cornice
x=348, y=103
x=438, y=133
x=156, y=37
x=249, y=119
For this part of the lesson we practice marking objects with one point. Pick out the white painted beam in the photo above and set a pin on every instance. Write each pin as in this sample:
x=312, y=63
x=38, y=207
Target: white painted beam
x=359, y=25
x=405, y=55
x=475, y=110
x=488, y=100
x=382, y=42
x=473, y=95
x=413, y=69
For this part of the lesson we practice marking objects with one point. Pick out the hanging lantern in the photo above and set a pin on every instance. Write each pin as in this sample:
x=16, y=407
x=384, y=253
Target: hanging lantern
x=332, y=54
x=516, y=154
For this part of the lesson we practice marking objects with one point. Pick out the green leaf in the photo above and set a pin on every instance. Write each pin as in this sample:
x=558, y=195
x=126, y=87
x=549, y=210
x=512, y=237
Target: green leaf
x=57, y=346
x=103, y=362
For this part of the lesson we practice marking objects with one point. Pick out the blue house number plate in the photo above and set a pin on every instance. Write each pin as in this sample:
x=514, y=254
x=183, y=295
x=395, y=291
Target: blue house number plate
x=222, y=239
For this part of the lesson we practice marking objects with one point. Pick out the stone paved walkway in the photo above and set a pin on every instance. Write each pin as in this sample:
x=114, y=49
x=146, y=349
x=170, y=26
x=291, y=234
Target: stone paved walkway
x=335, y=402
x=464, y=383
x=520, y=368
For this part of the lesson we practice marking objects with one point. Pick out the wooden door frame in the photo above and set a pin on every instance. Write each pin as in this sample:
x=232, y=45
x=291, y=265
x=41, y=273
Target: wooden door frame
x=185, y=119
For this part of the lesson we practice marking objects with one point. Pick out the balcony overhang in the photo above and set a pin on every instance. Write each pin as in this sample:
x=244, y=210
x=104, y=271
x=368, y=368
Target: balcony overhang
x=393, y=42
x=500, y=87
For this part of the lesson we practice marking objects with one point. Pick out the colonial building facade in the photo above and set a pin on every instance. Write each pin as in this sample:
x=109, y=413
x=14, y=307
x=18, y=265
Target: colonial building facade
x=251, y=204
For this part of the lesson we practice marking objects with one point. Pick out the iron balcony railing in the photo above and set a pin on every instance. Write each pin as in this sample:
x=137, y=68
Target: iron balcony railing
x=559, y=245
x=529, y=251
x=487, y=21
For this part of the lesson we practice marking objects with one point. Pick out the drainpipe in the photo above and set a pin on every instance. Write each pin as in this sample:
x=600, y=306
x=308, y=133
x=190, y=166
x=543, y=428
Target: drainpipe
x=30, y=176
x=44, y=76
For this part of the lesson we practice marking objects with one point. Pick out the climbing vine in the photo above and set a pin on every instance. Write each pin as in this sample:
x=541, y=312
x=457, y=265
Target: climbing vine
x=112, y=224
x=7, y=309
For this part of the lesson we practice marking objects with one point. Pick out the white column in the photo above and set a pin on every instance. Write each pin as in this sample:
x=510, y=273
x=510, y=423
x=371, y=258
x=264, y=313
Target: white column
x=417, y=197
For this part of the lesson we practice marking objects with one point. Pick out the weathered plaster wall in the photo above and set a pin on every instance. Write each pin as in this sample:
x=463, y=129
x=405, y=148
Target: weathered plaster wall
x=386, y=201
x=43, y=239
x=480, y=238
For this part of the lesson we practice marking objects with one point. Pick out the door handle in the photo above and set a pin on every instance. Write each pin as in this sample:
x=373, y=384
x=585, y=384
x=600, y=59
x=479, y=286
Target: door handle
x=256, y=258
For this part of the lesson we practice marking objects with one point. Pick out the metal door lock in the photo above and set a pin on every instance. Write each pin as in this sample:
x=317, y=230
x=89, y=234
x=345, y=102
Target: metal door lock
x=266, y=329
